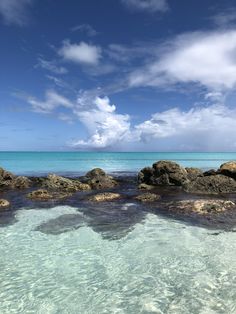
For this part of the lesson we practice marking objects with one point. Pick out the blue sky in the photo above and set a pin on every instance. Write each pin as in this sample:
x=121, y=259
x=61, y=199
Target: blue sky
x=118, y=75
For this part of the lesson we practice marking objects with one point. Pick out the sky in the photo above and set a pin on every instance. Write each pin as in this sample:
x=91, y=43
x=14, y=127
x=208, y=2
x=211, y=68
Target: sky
x=118, y=75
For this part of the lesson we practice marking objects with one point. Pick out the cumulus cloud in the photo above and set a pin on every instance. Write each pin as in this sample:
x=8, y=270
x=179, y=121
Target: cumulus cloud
x=81, y=53
x=207, y=59
x=15, y=11
x=146, y=5
x=105, y=126
x=52, y=101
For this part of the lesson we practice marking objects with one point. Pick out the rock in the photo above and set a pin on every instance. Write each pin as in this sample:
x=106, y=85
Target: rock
x=144, y=186
x=4, y=203
x=202, y=206
x=6, y=178
x=21, y=183
x=40, y=195
x=145, y=175
x=193, y=173
x=211, y=172
x=98, y=179
x=147, y=197
x=102, y=197
x=211, y=185
x=163, y=173
x=229, y=169
x=54, y=182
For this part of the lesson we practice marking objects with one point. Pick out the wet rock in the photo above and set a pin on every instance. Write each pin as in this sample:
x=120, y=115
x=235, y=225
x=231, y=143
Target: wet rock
x=9, y=180
x=163, y=173
x=193, y=173
x=148, y=197
x=202, y=206
x=211, y=185
x=211, y=172
x=102, y=197
x=41, y=195
x=229, y=169
x=98, y=179
x=144, y=186
x=4, y=204
x=54, y=182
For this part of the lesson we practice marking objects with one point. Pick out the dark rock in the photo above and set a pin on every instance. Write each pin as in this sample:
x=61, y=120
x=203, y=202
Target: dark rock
x=147, y=197
x=163, y=173
x=102, y=197
x=193, y=173
x=98, y=179
x=211, y=172
x=211, y=185
x=229, y=169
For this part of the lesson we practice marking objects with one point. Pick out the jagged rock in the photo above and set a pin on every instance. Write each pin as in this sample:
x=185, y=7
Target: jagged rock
x=21, y=182
x=54, y=182
x=147, y=197
x=163, y=173
x=4, y=204
x=144, y=186
x=202, y=206
x=193, y=173
x=98, y=179
x=41, y=195
x=229, y=169
x=211, y=185
x=102, y=197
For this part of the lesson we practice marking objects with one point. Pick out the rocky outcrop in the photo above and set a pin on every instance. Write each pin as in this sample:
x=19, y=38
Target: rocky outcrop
x=147, y=197
x=193, y=173
x=229, y=169
x=202, y=206
x=163, y=173
x=214, y=184
x=40, y=195
x=4, y=204
x=9, y=180
x=98, y=179
x=102, y=197
x=58, y=183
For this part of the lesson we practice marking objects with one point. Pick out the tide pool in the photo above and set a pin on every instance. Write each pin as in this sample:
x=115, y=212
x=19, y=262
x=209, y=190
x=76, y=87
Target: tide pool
x=74, y=163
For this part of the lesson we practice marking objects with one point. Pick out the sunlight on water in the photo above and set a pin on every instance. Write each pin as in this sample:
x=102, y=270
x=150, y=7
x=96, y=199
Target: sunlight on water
x=161, y=266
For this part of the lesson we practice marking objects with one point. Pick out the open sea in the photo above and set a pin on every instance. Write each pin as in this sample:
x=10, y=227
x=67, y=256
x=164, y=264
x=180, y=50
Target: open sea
x=155, y=265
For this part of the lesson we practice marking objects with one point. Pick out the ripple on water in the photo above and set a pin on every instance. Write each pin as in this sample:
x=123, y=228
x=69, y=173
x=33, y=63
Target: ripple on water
x=161, y=266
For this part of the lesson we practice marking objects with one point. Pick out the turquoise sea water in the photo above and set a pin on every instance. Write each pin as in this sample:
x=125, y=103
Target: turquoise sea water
x=153, y=265
x=80, y=162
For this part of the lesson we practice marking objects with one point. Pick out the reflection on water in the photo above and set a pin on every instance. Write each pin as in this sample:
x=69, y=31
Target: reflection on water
x=60, y=261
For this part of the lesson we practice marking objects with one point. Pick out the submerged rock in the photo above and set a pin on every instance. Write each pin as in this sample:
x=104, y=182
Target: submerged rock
x=214, y=184
x=148, y=197
x=4, y=204
x=102, y=197
x=98, y=179
x=202, y=206
x=229, y=169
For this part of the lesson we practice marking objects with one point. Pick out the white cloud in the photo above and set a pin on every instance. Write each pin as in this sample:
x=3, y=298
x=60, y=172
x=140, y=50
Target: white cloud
x=81, y=53
x=15, y=11
x=147, y=5
x=106, y=128
x=207, y=59
x=52, y=101
x=51, y=66
x=86, y=28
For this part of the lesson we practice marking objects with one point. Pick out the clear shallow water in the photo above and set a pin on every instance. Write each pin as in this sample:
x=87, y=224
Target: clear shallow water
x=80, y=162
x=161, y=266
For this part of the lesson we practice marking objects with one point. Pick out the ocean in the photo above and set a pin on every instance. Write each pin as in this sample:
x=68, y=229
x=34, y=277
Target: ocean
x=74, y=163
x=75, y=260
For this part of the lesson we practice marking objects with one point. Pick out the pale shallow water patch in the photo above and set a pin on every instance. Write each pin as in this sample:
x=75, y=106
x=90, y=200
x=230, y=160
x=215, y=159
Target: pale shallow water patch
x=161, y=266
